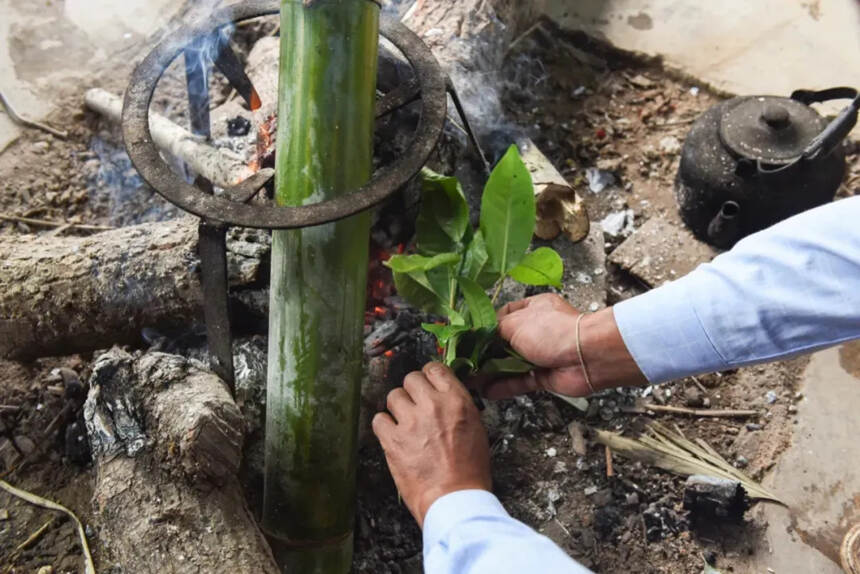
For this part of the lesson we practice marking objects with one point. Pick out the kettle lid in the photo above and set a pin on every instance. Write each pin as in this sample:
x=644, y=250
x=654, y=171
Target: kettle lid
x=771, y=129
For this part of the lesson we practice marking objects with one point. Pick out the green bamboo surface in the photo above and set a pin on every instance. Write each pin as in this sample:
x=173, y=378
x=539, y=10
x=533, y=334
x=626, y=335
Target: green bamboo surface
x=324, y=149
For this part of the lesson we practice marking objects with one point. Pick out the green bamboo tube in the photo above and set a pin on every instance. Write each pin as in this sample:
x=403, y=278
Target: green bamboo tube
x=324, y=149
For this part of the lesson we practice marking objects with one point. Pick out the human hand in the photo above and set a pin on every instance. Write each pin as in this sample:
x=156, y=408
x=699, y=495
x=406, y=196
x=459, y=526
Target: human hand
x=433, y=439
x=543, y=330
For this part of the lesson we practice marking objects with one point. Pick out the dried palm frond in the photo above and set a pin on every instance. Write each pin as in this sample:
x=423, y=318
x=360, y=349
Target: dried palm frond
x=672, y=451
x=45, y=503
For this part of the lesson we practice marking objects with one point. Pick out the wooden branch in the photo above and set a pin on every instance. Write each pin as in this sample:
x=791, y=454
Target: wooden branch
x=75, y=294
x=20, y=120
x=49, y=223
x=728, y=413
x=221, y=167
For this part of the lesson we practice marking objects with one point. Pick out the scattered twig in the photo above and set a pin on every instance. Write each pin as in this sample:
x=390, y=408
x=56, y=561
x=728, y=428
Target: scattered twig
x=521, y=37
x=729, y=413
x=672, y=451
x=700, y=385
x=45, y=503
x=674, y=124
x=9, y=409
x=18, y=119
x=609, y=471
x=57, y=224
x=33, y=538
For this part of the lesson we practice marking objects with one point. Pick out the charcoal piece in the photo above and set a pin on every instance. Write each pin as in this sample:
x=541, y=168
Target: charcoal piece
x=238, y=127
x=606, y=520
x=709, y=498
x=77, y=446
x=661, y=521
x=381, y=338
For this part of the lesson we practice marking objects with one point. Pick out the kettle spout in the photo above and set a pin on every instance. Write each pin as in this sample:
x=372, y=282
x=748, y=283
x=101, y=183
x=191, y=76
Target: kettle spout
x=724, y=228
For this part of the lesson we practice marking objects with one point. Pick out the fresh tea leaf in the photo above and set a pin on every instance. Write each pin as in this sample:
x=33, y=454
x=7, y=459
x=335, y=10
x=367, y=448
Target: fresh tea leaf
x=444, y=333
x=506, y=366
x=442, y=280
x=508, y=212
x=444, y=217
x=410, y=263
x=543, y=266
x=416, y=289
x=475, y=262
x=481, y=309
x=462, y=367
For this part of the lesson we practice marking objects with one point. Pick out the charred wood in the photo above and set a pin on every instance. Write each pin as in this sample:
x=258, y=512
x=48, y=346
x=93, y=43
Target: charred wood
x=167, y=443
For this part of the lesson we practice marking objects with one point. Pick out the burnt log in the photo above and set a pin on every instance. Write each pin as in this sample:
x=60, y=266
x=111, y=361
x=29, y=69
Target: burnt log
x=167, y=439
x=62, y=295
x=709, y=498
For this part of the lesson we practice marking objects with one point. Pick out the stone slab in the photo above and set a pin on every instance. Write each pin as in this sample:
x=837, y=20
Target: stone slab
x=661, y=250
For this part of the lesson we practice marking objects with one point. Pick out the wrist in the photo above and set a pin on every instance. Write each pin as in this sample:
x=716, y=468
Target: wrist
x=432, y=494
x=604, y=353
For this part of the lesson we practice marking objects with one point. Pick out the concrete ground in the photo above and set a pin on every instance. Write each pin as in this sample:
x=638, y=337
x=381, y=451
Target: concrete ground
x=46, y=44
x=741, y=47
x=818, y=476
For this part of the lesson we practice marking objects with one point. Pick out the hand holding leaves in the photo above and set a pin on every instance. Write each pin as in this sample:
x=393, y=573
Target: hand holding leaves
x=455, y=264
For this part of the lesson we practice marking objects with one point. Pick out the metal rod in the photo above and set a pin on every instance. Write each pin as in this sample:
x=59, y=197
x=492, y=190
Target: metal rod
x=213, y=264
x=468, y=126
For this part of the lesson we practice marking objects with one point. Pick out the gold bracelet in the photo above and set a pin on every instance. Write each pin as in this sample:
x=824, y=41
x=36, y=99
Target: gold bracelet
x=579, y=354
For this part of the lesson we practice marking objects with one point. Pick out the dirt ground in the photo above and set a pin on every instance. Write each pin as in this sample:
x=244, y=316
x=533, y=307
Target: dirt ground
x=585, y=107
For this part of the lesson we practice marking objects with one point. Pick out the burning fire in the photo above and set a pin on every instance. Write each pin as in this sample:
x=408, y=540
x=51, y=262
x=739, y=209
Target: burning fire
x=265, y=147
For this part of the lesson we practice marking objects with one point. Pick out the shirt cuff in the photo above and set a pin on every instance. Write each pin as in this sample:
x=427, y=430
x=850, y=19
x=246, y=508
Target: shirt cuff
x=456, y=507
x=664, y=334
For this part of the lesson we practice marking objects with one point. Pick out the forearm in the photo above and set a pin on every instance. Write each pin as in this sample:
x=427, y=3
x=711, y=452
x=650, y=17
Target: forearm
x=468, y=532
x=790, y=289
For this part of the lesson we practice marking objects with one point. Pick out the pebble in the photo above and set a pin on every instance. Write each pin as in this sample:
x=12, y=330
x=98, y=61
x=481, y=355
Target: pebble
x=551, y=452
x=4, y=514
x=792, y=409
x=632, y=499
x=594, y=306
x=754, y=427
x=45, y=570
x=741, y=462
x=770, y=397
x=590, y=490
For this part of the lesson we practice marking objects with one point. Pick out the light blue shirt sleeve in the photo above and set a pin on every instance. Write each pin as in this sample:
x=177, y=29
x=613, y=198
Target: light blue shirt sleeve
x=790, y=289
x=469, y=532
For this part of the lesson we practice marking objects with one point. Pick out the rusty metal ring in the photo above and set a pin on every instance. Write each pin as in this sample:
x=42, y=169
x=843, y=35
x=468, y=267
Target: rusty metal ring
x=152, y=168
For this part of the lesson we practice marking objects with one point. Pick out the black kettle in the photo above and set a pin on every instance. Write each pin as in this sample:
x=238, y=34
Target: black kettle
x=752, y=161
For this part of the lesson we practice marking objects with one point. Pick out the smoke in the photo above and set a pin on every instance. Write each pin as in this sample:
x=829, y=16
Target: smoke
x=116, y=188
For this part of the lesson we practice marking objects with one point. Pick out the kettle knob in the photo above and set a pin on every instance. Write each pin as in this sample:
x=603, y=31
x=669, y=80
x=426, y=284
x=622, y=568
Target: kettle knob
x=776, y=116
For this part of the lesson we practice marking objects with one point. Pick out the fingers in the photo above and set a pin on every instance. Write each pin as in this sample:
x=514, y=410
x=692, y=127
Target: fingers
x=398, y=403
x=417, y=385
x=509, y=324
x=441, y=377
x=510, y=387
x=513, y=307
x=383, y=425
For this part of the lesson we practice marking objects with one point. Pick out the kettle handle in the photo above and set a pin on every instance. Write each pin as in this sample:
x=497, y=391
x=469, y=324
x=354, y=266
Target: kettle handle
x=825, y=142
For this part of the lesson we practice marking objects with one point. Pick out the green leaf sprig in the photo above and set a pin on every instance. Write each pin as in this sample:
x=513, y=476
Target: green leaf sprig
x=455, y=264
